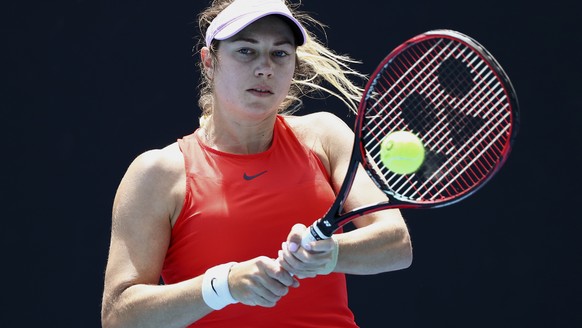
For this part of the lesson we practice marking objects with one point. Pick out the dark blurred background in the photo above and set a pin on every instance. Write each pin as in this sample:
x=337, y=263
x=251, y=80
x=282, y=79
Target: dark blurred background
x=88, y=85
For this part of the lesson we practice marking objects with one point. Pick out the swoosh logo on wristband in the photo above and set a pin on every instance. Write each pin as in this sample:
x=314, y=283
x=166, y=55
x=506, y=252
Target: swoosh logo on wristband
x=212, y=285
x=251, y=177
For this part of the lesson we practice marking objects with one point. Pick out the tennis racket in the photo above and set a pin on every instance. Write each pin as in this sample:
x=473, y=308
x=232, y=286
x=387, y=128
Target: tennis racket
x=447, y=89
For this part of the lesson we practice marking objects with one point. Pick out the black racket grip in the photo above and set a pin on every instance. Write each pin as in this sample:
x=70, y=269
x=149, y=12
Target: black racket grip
x=314, y=233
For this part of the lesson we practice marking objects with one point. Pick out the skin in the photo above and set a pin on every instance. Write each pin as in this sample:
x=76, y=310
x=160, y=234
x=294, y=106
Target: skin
x=251, y=77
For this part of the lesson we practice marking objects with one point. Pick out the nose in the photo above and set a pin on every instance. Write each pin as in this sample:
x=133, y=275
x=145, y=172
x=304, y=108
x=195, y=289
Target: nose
x=264, y=67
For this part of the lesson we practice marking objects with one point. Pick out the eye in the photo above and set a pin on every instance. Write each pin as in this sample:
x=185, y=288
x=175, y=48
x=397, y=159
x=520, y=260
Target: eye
x=245, y=51
x=280, y=53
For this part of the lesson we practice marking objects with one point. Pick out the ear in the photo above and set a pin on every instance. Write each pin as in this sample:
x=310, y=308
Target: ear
x=207, y=61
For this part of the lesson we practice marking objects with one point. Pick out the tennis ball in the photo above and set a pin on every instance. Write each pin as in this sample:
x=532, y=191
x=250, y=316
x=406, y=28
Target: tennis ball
x=402, y=152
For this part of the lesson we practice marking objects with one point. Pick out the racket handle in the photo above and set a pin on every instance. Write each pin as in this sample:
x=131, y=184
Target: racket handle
x=312, y=234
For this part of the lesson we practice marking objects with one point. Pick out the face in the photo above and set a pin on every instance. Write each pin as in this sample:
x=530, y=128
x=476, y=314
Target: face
x=253, y=70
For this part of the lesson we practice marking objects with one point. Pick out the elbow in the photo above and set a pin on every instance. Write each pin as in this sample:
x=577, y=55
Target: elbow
x=395, y=253
x=110, y=315
x=106, y=321
x=114, y=306
x=107, y=318
x=404, y=256
x=407, y=254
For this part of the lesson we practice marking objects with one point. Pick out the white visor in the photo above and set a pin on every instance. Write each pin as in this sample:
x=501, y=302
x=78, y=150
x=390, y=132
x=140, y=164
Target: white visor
x=242, y=13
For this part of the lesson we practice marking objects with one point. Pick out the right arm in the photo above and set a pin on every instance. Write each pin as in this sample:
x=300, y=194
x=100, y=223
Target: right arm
x=148, y=199
x=140, y=234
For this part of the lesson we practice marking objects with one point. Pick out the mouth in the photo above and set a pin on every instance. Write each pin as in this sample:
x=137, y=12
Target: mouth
x=261, y=91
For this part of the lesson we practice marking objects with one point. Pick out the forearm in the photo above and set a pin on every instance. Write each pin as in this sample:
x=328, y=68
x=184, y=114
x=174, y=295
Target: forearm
x=376, y=248
x=176, y=305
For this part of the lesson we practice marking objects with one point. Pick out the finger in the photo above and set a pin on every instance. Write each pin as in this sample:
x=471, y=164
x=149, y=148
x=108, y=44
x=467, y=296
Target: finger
x=279, y=275
x=283, y=280
x=264, y=297
x=301, y=271
x=260, y=293
x=304, y=263
x=289, y=260
x=292, y=261
x=281, y=260
x=303, y=257
x=294, y=237
x=275, y=283
x=325, y=245
x=252, y=282
x=307, y=274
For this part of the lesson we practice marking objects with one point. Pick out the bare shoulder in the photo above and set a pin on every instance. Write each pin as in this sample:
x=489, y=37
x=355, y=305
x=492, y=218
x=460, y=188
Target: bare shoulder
x=163, y=162
x=154, y=181
x=326, y=134
x=324, y=129
x=320, y=123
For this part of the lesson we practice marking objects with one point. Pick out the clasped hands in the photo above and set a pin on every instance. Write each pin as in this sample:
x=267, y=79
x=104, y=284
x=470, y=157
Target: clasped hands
x=263, y=281
x=307, y=261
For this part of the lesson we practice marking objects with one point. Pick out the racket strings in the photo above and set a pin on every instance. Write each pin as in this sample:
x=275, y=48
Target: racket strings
x=443, y=91
x=403, y=96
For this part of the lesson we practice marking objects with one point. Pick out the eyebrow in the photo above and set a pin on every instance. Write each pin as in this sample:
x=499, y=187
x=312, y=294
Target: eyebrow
x=255, y=41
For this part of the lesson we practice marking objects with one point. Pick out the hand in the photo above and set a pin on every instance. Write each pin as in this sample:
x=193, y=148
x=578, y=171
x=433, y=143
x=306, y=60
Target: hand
x=307, y=261
x=260, y=281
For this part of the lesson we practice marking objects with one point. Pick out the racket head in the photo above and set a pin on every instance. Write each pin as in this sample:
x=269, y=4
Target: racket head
x=451, y=92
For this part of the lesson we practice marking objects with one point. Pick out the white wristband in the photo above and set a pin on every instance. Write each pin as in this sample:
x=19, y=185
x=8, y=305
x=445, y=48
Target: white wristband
x=215, y=291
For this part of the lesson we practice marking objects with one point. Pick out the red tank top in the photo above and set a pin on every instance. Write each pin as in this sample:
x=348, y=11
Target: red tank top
x=238, y=207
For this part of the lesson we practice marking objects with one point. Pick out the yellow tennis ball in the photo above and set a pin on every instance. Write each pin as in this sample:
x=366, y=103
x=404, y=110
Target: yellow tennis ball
x=402, y=152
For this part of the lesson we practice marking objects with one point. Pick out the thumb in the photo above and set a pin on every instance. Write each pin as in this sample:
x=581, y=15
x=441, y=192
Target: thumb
x=294, y=237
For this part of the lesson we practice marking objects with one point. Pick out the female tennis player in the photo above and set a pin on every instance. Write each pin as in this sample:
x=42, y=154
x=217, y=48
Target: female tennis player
x=220, y=214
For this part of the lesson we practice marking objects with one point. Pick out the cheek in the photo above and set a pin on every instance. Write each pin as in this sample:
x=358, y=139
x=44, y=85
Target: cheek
x=293, y=69
x=226, y=78
x=287, y=72
x=288, y=77
x=291, y=72
x=225, y=90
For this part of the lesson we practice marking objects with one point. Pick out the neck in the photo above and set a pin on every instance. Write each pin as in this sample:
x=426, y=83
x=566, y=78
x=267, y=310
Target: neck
x=237, y=138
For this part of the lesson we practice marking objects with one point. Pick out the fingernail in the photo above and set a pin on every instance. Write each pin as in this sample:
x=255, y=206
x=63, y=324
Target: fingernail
x=293, y=247
x=307, y=247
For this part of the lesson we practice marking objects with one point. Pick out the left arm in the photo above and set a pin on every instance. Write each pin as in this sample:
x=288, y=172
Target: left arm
x=381, y=241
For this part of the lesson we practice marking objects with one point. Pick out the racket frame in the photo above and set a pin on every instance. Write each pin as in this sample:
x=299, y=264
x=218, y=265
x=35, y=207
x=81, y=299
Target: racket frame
x=334, y=218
